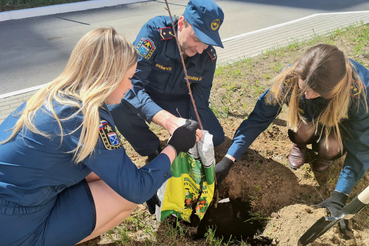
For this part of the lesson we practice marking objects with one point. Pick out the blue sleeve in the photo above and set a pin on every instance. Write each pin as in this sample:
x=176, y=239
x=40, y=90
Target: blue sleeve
x=147, y=45
x=110, y=162
x=259, y=119
x=357, y=146
x=356, y=142
x=201, y=91
x=122, y=175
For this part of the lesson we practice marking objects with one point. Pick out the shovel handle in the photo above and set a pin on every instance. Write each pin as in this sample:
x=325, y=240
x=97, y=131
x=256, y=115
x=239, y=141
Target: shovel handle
x=364, y=196
x=355, y=205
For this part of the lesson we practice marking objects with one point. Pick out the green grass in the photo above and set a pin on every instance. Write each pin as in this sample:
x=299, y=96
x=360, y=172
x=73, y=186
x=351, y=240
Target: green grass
x=257, y=216
x=245, y=80
x=174, y=232
x=7, y=5
x=122, y=234
x=211, y=239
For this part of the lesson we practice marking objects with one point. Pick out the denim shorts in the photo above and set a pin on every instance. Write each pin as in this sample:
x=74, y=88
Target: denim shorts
x=63, y=221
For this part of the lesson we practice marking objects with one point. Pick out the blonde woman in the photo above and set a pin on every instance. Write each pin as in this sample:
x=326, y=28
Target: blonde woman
x=64, y=174
x=327, y=98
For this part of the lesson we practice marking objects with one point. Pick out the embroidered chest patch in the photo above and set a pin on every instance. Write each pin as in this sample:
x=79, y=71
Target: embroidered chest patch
x=108, y=136
x=145, y=47
x=164, y=68
x=194, y=78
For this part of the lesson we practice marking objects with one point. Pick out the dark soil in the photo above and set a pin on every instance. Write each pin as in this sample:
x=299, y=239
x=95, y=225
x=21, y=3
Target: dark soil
x=231, y=220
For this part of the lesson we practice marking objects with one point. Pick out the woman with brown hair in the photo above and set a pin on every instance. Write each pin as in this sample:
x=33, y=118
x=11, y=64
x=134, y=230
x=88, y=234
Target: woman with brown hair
x=326, y=94
x=64, y=174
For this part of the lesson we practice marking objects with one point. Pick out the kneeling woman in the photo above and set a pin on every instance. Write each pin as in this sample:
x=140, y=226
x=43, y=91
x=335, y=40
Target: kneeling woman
x=64, y=174
x=326, y=94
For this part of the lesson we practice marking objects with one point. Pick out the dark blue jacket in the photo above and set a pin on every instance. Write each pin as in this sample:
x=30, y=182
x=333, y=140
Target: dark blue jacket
x=160, y=72
x=356, y=142
x=35, y=169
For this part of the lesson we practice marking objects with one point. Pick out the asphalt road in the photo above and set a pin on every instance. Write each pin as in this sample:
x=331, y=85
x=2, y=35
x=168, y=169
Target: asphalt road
x=34, y=51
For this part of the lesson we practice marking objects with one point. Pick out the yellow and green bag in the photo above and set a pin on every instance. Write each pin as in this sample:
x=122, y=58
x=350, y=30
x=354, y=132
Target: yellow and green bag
x=189, y=192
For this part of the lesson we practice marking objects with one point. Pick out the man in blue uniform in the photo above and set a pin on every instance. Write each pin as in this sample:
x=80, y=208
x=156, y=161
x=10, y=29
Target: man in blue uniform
x=160, y=93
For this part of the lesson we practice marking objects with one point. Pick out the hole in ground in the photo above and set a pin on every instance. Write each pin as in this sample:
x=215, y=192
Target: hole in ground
x=232, y=220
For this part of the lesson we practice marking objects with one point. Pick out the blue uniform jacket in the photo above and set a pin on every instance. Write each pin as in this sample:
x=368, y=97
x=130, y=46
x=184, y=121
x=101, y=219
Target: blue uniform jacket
x=160, y=73
x=356, y=142
x=35, y=169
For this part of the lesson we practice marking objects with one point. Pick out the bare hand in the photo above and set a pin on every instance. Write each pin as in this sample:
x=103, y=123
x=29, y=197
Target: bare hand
x=198, y=134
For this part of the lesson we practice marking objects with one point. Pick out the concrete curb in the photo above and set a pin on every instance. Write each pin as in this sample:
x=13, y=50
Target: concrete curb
x=62, y=8
x=23, y=91
x=294, y=21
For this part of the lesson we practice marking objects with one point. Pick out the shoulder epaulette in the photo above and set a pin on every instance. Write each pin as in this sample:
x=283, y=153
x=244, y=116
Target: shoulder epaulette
x=212, y=53
x=281, y=90
x=104, y=108
x=287, y=82
x=166, y=33
x=356, y=89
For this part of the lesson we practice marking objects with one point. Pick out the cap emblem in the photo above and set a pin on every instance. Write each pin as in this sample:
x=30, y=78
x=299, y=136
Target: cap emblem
x=215, y=24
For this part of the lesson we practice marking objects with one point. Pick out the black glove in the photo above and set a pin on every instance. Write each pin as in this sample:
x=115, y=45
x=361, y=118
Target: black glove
x=222, y=169
x=184, y=137
x=154, y=200
x=334, y=204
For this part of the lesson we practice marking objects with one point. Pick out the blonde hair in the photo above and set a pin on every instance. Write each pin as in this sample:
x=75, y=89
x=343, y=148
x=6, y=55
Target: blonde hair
x=324, y=69
x=95, y=68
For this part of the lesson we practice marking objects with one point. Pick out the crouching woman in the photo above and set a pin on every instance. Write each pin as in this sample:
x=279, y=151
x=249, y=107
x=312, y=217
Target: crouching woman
x=326, y=94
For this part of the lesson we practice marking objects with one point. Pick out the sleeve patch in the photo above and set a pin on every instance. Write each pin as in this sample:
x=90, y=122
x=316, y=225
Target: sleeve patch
x=145, y=47
x=166, y=33
x=213, y=54
x=108, y=136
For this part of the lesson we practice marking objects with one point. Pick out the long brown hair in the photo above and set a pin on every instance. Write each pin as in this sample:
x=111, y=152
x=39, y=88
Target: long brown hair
x=324, y=69
x=95, y=68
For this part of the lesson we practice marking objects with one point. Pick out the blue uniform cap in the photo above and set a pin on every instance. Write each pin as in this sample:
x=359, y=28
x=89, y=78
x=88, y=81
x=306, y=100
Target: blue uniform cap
x=206, y=17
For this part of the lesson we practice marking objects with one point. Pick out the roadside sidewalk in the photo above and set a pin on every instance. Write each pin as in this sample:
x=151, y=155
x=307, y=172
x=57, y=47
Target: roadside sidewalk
x=62, y=8
x=242, y=46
